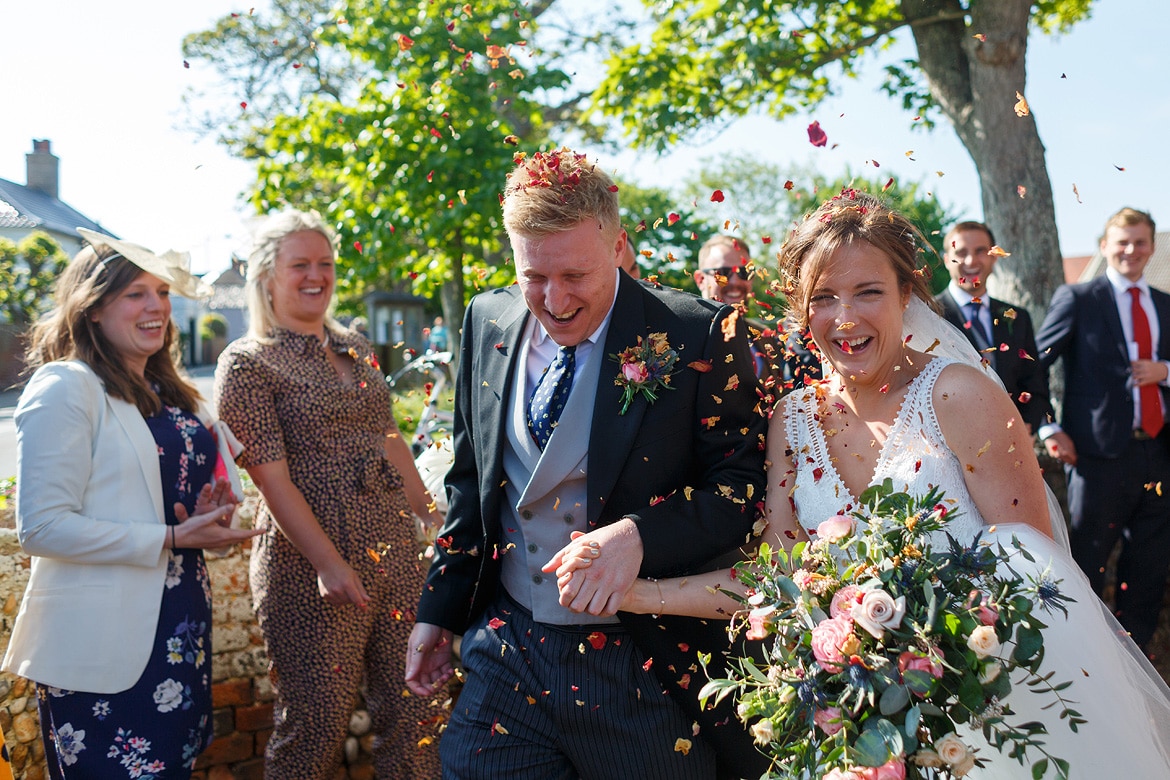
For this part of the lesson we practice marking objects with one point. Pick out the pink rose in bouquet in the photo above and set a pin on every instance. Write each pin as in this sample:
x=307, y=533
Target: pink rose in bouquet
x=635, y=372
x=844, y=600
x=836, y=528
x=758, y=622
x=829, y=719
x=894, y=769
x=828, y=637
x=912, y=660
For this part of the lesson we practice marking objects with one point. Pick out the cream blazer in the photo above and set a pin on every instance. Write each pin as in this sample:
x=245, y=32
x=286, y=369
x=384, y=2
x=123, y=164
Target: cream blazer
x=89, y=509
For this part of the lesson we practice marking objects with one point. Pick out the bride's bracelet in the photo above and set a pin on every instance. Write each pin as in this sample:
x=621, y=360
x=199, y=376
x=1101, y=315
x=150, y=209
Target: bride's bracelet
x=661, y=601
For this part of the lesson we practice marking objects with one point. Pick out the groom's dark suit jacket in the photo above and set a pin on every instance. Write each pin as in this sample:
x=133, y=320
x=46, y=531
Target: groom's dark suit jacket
x=1083, y=327
x=1018, y=366
x=689, y=467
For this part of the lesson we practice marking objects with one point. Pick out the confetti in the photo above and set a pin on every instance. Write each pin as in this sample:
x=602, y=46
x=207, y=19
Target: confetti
x=717, y=196
x=1021, y=106
x=817, y=136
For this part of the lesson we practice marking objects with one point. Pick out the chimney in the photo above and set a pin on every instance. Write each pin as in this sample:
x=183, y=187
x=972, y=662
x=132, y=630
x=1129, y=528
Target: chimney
x=42, y=169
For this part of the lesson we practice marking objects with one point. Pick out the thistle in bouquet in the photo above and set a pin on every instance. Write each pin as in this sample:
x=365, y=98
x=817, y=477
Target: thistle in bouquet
x=887, y=646
x=645, y=368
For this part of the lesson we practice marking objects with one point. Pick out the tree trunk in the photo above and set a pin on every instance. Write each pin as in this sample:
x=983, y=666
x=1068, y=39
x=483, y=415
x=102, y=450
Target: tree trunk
x=975, y=82
x=451, y=297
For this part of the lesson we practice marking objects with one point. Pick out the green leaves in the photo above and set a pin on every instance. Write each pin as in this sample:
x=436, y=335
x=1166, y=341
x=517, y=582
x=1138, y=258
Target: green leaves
x=27, y=273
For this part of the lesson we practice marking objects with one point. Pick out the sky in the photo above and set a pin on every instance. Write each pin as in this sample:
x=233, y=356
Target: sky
x=103, y=82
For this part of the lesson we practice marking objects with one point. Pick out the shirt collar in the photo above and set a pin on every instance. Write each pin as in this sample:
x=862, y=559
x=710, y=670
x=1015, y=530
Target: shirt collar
x=962, y=297
x=1121, y=284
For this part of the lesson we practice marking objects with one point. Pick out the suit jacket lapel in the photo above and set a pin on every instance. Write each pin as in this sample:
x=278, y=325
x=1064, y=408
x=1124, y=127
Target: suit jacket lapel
x=1107, y=304
x=145, y=448
x=502, y=347
x=612, y=435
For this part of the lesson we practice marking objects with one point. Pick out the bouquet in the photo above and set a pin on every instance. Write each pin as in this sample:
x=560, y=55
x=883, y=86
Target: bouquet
x=883, y=656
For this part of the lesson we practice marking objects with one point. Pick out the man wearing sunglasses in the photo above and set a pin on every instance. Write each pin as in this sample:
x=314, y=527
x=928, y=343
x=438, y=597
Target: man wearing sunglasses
x=725, y=274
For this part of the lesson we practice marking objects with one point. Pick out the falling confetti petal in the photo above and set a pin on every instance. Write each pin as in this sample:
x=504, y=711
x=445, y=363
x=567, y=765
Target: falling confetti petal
x=717, y=196
x=817, y=136
x=1021, y=106
x=358, y=246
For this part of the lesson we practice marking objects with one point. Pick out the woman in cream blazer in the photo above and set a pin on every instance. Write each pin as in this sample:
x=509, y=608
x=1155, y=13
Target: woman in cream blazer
x=112, y=459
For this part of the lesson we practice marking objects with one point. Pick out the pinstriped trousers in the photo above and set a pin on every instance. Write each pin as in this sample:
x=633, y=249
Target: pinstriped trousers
x=545, y=702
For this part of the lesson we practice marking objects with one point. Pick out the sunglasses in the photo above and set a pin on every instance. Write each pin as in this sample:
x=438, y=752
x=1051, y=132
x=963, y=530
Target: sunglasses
x=742, y=271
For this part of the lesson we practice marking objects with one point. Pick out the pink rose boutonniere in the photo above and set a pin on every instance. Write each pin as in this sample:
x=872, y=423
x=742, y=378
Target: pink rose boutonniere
x=645, y=368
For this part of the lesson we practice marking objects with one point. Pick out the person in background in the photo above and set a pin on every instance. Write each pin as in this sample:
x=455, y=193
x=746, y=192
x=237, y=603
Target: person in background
x=555, y=434
x=1109, y=335
x=336, y=573
x=437, y=337
x=118, y=498
x=1002, y=333
x=630, y=260
x=782, y=361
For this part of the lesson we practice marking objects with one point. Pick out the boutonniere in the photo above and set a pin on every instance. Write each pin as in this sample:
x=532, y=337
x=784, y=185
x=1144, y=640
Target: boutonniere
x=645, y=368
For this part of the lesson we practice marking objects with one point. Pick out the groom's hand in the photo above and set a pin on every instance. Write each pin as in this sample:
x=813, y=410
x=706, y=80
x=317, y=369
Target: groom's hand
x=600, y=588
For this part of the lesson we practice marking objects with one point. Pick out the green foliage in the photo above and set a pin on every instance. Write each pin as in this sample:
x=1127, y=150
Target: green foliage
x=408, y=157
x=708, y=60
x=666, y=234
x=27, y=273
x=212, y=325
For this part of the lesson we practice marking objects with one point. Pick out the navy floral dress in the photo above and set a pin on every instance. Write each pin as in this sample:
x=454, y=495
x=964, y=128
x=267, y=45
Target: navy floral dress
x=157, y=728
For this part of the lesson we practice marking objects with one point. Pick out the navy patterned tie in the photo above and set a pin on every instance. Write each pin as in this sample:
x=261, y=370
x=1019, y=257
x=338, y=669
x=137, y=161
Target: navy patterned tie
x=551, y=393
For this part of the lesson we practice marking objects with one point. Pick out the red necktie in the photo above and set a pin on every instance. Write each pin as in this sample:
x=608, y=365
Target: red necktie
x=1151, y=403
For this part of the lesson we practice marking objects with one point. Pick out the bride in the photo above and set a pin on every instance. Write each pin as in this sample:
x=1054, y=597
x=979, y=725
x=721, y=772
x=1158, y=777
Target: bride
x=907, y=399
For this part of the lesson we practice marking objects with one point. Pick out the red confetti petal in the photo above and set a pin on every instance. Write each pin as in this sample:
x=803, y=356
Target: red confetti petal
x=358, y=246
x=817, y=136
x=671, y=218
x=596, y=639
x=436, y=133
x=717, y=196
x=495, y=624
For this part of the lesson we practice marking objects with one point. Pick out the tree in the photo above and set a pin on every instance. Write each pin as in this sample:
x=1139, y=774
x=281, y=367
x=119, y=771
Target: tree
x=406, y=147
x=706, y=61
x=666, y=235
x=27, y=273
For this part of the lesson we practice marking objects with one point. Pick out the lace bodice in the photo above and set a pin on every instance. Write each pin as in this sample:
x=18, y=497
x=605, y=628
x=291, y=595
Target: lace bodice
x=915, y=456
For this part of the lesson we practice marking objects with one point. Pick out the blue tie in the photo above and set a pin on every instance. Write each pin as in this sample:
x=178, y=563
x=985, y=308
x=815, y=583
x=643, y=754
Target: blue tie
x=982, y=339
x=551, y=393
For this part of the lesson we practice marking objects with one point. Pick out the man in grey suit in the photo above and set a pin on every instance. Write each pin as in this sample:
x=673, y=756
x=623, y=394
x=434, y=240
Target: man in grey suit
x=1001, y=332
x=1113, y=336
x=554, y=434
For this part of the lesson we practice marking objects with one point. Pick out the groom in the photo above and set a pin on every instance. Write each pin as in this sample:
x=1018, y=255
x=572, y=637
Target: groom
x=543, y=448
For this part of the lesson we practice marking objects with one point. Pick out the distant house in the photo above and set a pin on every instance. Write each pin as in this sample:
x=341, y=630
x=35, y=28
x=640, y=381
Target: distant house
x=228, y=298
x=36, y=205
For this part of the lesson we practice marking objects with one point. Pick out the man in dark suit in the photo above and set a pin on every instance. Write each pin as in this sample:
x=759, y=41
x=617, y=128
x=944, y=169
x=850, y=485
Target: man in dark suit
x=1112, y=334
x=1001, y=332
x=661, y=487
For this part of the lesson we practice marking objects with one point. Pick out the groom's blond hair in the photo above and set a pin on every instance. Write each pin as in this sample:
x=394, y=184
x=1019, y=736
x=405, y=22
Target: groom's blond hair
x=552, y=192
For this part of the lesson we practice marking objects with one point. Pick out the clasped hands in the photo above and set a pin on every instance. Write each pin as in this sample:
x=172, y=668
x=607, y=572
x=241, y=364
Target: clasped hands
x=595, y=570
x=209, y=525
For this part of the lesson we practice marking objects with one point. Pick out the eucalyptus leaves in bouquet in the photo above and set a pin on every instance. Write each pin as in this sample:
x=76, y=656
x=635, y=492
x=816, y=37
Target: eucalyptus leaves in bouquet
x=888, y=645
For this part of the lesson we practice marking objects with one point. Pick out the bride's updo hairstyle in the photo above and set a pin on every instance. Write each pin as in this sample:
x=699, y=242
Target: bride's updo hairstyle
x=840, y=221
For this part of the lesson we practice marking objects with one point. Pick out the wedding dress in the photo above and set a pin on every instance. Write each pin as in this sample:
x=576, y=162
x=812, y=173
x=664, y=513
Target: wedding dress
x=1126, y=703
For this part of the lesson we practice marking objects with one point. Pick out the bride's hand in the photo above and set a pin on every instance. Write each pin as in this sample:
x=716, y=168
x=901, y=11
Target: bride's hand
x=577, y=554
